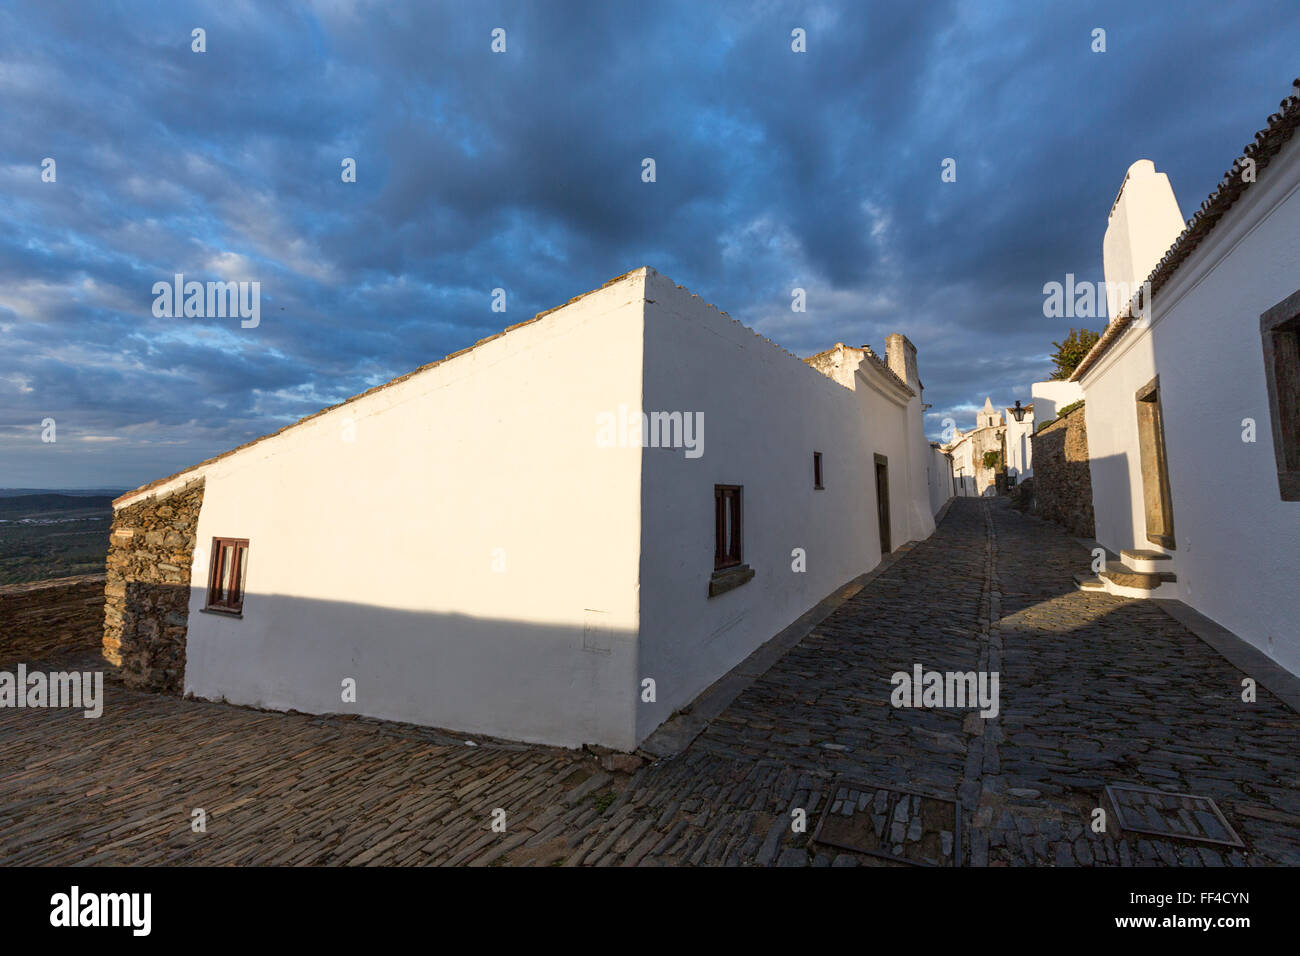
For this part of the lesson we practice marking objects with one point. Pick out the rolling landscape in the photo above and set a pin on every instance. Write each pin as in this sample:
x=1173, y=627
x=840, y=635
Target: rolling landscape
x=53, y=534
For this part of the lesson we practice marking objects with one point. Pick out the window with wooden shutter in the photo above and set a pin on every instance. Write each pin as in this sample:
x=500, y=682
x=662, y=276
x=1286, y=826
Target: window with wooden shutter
x=727, y=526
x=226, y=575
x=729, y=569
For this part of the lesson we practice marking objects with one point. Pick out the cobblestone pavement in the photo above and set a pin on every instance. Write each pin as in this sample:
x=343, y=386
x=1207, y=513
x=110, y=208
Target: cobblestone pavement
x=1095, y=690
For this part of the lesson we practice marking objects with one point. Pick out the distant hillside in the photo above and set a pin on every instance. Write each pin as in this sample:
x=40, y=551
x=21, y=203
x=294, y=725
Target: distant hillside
x=74, y=492
x=53, y=535
x=53, y=505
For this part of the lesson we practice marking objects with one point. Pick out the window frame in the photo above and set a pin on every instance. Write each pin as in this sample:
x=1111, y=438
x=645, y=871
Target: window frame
x=730, y=553
x=233, y=578
x=1279, y=330
x=729, y=568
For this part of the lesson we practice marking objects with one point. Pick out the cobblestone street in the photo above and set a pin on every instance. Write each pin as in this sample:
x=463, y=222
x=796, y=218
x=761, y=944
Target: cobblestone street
x=1095, y=691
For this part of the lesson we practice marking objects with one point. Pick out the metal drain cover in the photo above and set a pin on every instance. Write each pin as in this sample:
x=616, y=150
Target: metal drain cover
x=1173, y=816
x=892, y=824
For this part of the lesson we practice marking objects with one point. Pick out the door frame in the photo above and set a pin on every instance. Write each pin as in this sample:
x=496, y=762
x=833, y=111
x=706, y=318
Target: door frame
x=1157, y=499
x=882, y=504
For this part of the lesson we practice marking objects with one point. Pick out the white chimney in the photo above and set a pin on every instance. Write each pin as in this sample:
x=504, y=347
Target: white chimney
x=1143, y=224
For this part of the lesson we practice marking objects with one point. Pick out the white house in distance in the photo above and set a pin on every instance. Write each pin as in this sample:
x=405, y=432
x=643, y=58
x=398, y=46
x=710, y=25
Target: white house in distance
x=1018, y=436
x=518, y=539
x=971, y=477
x=1048, y=398
x=1193, y=409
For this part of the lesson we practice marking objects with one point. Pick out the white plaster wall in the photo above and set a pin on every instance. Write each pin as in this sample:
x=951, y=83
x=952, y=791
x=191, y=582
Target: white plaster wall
x=1050, y=397
x=940, y=479
x=963, y=467
x=765, y=413
x=1020, y=457
x=920, y=513
x=374, y=559
x=1114, y=465
x=1238, y=543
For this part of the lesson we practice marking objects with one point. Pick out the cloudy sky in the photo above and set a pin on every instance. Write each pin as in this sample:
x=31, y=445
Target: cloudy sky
x=522, y=170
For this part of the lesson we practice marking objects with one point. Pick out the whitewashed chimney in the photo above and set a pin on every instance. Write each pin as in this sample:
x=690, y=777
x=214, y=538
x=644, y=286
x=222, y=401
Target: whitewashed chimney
x=900, y=355
x=1143, y=224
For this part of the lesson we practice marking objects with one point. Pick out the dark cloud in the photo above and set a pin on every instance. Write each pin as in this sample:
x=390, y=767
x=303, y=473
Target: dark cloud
x=522, y=171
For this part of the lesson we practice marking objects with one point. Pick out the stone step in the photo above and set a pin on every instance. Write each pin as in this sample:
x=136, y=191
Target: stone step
x=1145, y=554
x=1144, y=559
x=1130, y=578
x=1089, y=583
x=1126, y=577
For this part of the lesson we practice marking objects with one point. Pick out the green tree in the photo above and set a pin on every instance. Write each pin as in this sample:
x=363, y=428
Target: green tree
x=1070, y=353
x=992, y=459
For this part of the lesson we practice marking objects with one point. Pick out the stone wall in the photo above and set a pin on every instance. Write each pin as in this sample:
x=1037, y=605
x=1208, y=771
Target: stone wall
x=147, y=593
x=52, y=620
x=1062, y=483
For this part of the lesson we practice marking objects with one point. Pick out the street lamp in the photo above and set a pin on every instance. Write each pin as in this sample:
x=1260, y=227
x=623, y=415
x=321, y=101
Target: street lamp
x=1019, y=412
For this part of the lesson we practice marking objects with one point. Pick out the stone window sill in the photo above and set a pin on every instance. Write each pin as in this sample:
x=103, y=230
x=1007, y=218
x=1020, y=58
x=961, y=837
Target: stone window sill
x=728, y=579
x=222, y=612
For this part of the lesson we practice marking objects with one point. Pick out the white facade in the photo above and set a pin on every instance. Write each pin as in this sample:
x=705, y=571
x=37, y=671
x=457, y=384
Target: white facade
x=767, y=413
x=1050, y=397
x=962, y=454
x=374, y=558
x=942, y=486
x=468, y=546
x=1236, y=542
x=1020, y=450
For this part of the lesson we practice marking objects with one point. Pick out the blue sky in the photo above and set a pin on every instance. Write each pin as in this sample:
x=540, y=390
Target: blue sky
x=522, y=170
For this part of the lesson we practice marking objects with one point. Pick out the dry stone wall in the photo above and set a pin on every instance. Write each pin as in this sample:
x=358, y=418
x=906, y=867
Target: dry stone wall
x=1062, y=482
x=147, y=591
x=51, y=620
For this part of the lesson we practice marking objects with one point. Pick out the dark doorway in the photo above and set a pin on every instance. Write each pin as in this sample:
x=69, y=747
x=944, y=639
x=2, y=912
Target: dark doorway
x=882, y=501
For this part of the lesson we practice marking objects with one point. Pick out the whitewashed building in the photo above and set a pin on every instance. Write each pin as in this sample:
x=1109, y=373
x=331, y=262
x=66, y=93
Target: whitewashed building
x=942, y=484
x=1048, y=398
x=560, y=535
x=1019, y=441
x=1192, y=399
x=972, y=476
